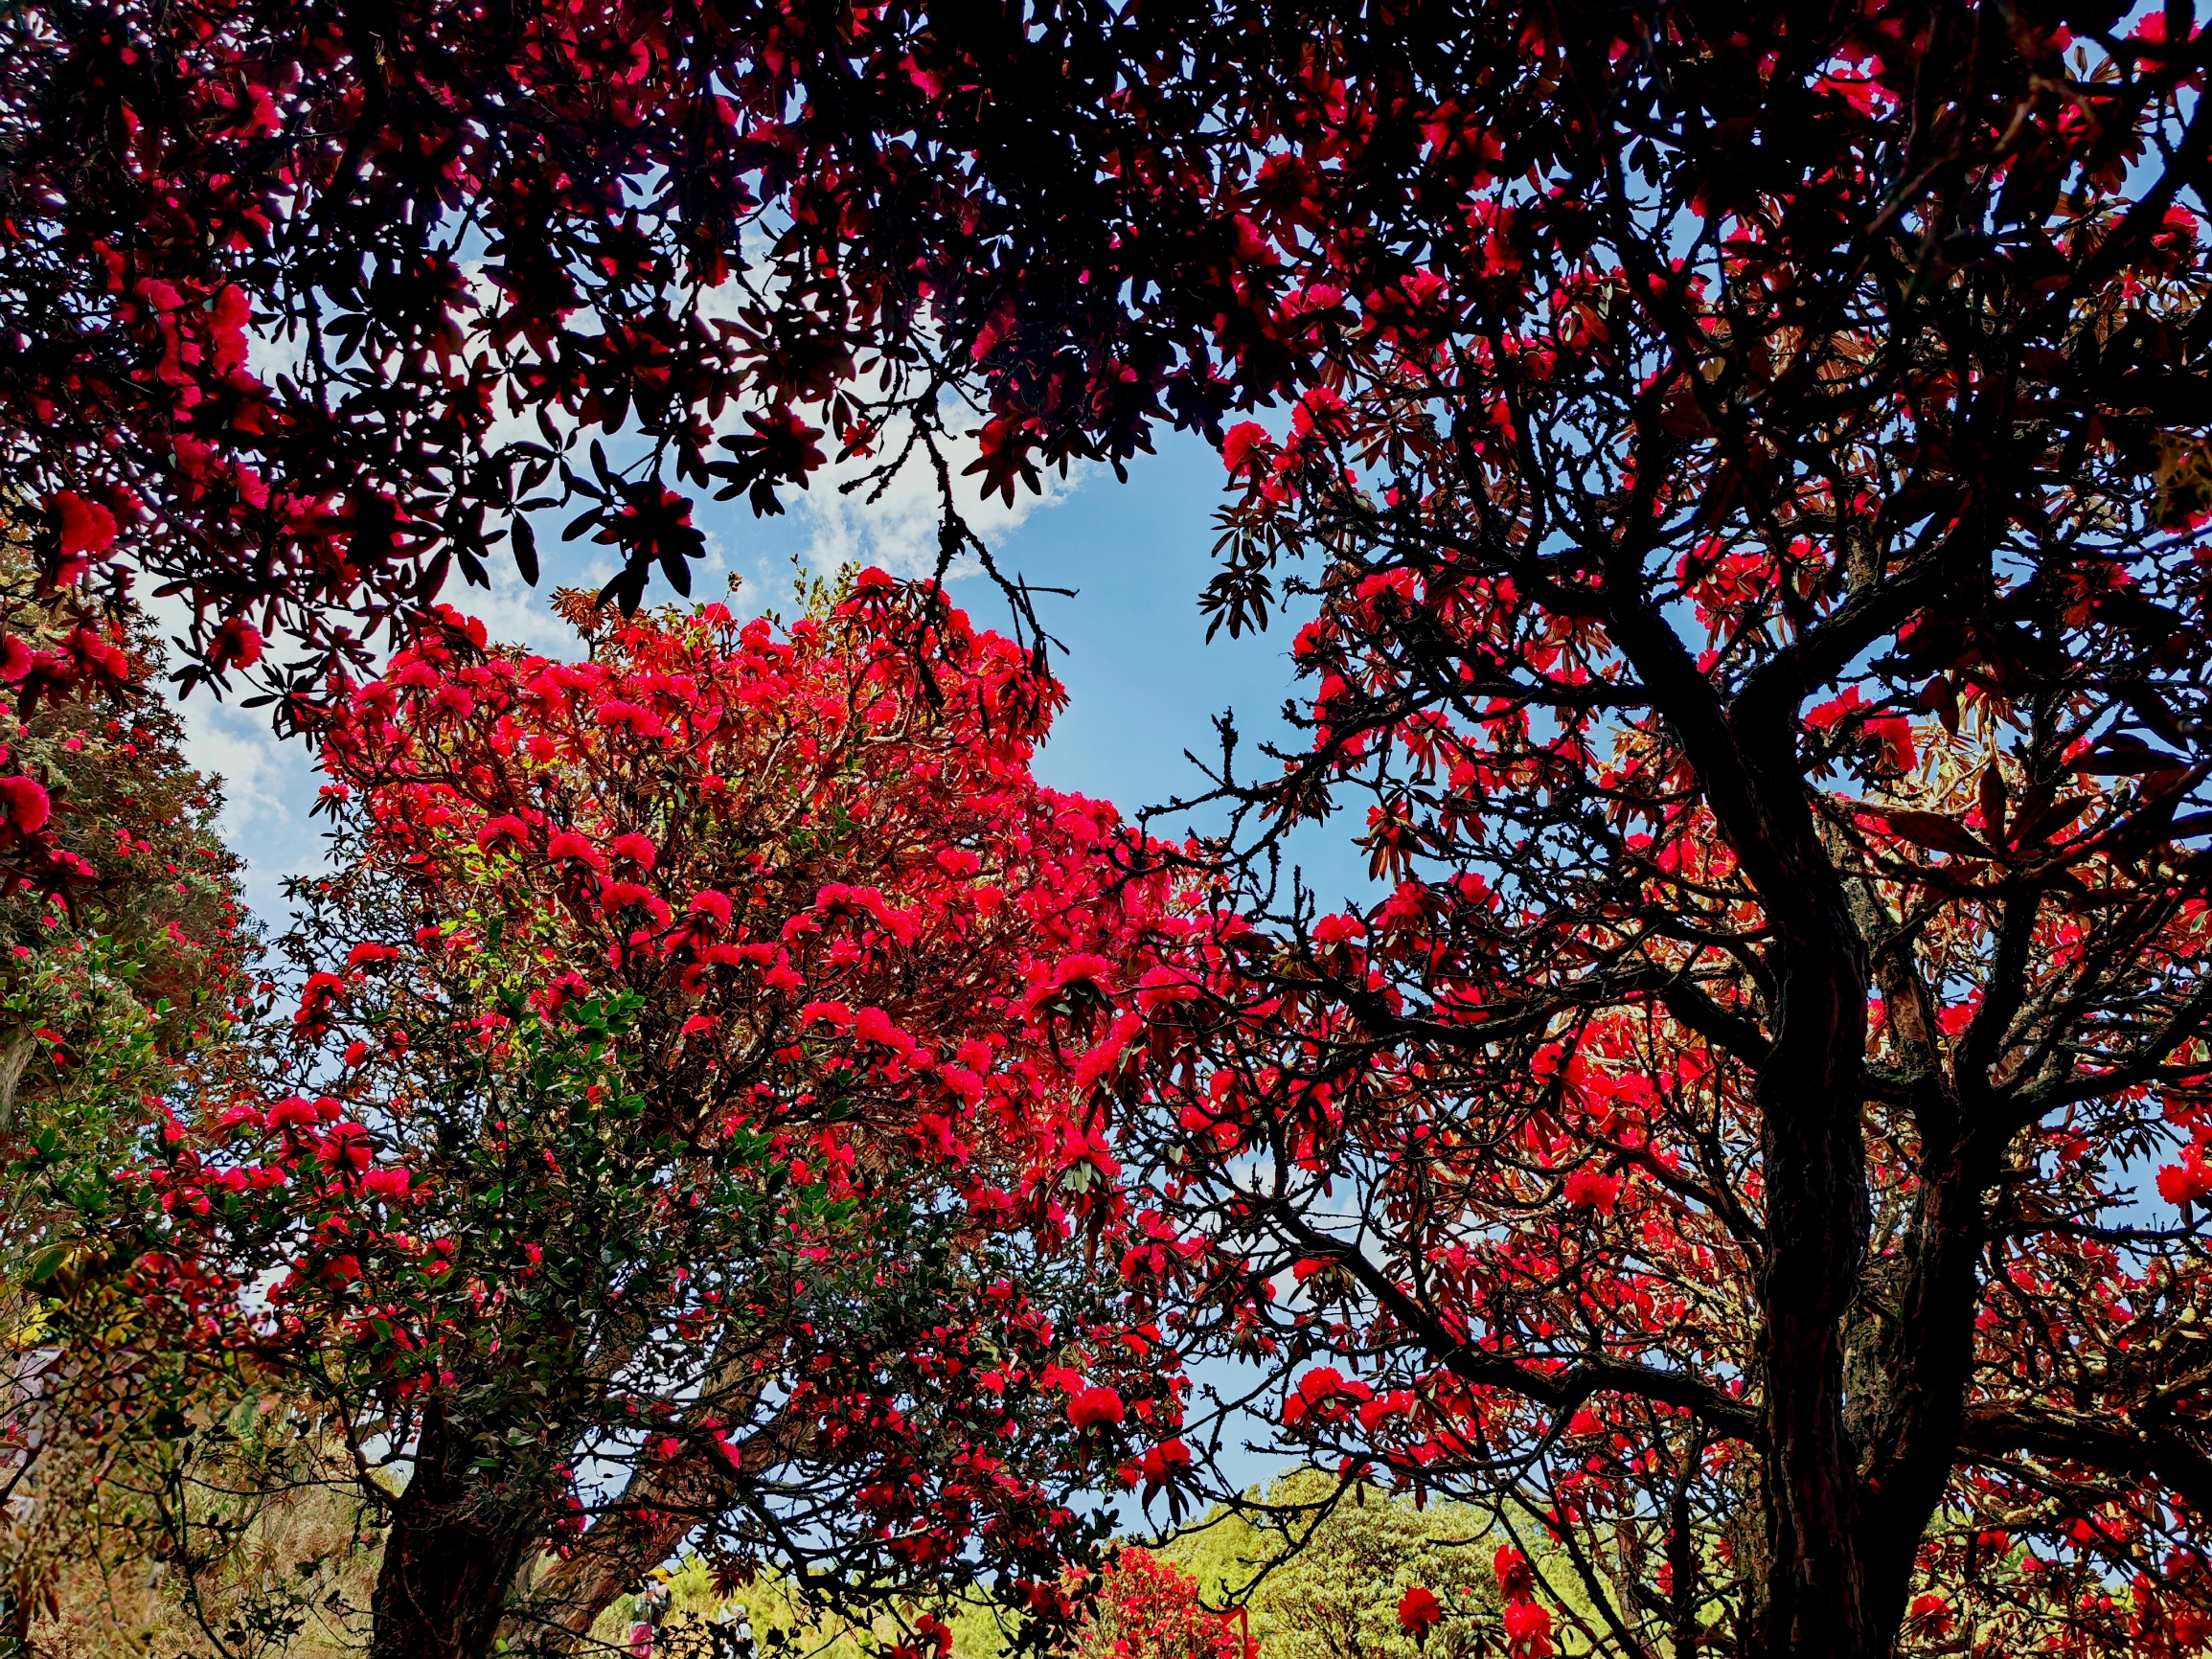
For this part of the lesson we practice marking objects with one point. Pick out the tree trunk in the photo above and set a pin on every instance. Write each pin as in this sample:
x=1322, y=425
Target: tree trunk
x=1814, y=1240
x=661, y=1504
x=14, y=1060
x=563, y=1600
x=1810, y=1097
x=1928, y=1373
x=450, y=1554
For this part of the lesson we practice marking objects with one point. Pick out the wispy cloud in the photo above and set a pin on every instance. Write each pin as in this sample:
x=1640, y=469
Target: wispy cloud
x=894, y=523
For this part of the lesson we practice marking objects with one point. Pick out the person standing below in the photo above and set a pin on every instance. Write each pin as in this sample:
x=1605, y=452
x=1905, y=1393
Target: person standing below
x=733, y=1632
x=652, y=1606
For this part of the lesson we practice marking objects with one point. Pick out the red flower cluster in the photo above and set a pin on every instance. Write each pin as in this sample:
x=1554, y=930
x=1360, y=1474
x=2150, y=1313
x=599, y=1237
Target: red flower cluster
x=761, y=960
x=1148, y=1608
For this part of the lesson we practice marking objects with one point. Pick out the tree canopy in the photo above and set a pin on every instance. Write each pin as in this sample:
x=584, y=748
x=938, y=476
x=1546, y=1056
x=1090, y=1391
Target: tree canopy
x=118, y=993
x=1748, y=469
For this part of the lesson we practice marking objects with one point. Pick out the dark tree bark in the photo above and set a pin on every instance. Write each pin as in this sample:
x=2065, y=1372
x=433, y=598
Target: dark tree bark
x=552, y=1611
x=450, y=1554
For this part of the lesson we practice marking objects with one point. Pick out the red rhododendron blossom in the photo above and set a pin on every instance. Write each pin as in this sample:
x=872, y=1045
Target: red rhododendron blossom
x=503, y=833
x=1589, y=1189
x=291, y=1112
x=1418, y=1611
x=1244, y=446
x=237, y=645
x=569, y=846
x=86, y=526
x=389, y=1185
x=1930, y=1614
x=1091, y=1407
x=1528, y=1629
x=25, y=803
x=2188, y=1182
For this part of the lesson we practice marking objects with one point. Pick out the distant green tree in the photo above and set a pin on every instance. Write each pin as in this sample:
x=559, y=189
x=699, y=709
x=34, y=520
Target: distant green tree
x=1323, y=1566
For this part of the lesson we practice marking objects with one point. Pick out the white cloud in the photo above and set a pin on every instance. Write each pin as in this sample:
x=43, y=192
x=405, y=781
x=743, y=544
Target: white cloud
x=269, y=786
x=894, y=523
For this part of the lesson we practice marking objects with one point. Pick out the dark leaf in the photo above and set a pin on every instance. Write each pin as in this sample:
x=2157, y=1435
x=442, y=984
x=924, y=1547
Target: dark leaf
x=526, y=550
x=1933, y=831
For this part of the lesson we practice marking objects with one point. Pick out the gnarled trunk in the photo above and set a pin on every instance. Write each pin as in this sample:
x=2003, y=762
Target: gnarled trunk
x=559, y=1607
x=662, y=1503
x=450, y=1554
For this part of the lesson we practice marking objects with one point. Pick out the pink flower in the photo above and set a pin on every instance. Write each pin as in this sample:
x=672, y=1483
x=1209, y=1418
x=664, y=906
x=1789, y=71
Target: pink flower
x=638, y=849
x=345, y=1147
x=632, y=717
x=291, y=1113
x=389, y=1185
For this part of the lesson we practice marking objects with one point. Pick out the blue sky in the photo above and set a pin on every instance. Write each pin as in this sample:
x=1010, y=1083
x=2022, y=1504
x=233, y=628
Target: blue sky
x=1143, y=684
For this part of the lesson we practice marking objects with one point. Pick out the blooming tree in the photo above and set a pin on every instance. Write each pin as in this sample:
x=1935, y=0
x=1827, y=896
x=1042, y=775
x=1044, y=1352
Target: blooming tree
x=59, y=649
x=1691, y=417
x=304, y=315
x=121, y=979
x=707, y=1141
x=1751, y=496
